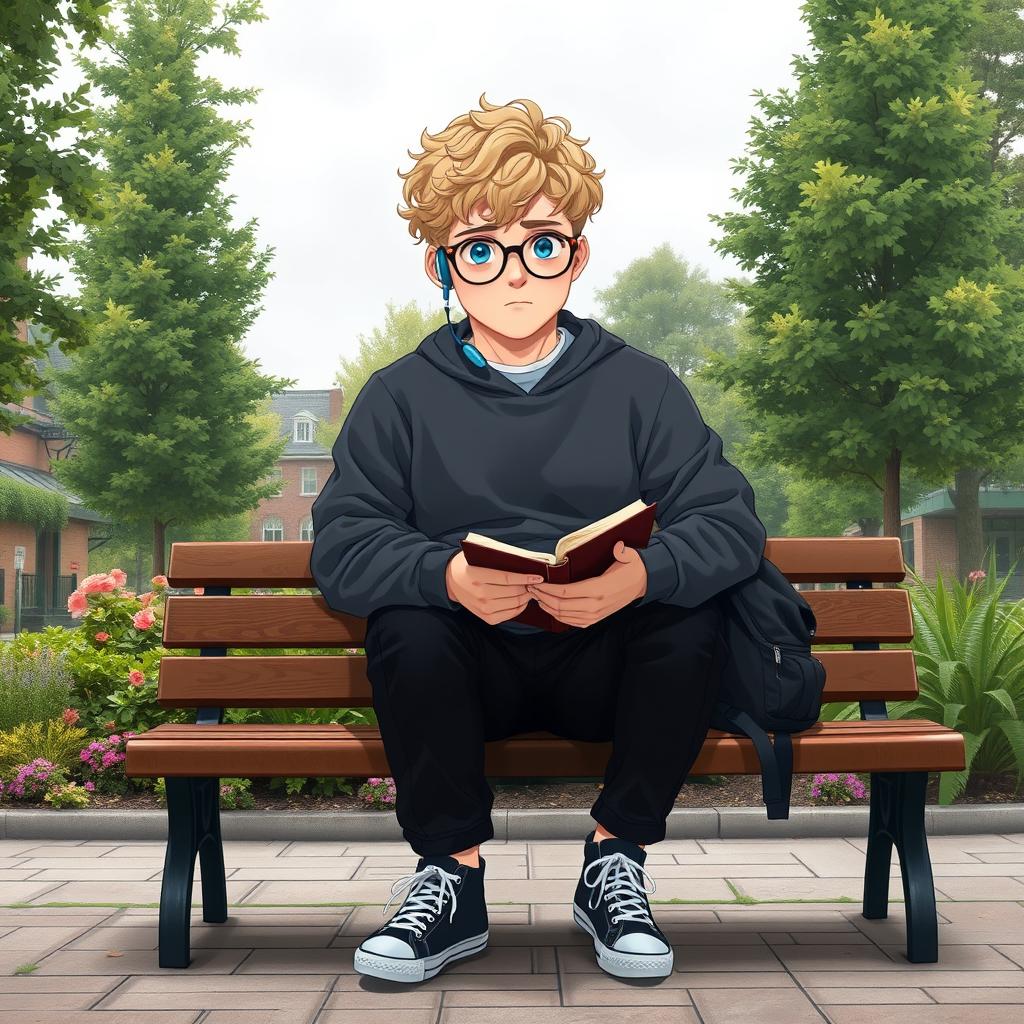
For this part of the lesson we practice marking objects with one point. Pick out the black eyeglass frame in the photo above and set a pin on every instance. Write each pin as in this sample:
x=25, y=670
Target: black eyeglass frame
x=450, y=250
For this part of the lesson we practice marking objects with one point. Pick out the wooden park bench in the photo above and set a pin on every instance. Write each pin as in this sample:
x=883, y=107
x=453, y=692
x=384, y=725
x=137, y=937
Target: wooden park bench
x=192, y=758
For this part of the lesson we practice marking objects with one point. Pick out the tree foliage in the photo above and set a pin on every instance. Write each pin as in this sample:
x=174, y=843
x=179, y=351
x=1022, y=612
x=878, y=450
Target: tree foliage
x=163, y=401
x=885, y=322
x=33, y=168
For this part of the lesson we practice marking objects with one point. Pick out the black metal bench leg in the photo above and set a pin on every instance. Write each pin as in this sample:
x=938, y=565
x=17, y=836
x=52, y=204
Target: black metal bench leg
x=193, y=827
x=179, y=865
x=897, y=818
x=206, y=800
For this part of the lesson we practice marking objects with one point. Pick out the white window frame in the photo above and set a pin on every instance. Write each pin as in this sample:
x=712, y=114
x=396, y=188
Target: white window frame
x=302, y=484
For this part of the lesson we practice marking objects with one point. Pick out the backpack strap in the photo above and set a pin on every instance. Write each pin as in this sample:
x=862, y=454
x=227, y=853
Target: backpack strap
x=776, y=762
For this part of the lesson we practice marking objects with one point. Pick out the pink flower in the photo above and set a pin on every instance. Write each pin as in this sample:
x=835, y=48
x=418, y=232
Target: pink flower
x=199, y=590
x=119, y=576
x=143, y=619
x=78, y=604
x=90, y=786
x=98, y=583
x=102, y=637
x=136, y=677
x=159, y=581
x=70, y=716
x=976, y=575
x=147, y=598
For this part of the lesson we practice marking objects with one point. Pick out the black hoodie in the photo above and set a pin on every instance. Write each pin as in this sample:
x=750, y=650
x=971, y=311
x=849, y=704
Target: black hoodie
x=434, y=447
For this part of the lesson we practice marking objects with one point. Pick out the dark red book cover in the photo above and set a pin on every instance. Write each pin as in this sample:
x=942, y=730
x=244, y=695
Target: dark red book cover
x=590, y=558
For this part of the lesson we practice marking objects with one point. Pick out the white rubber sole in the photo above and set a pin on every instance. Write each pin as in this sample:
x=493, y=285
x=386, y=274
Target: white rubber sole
x=624, y=965
x=394, y=968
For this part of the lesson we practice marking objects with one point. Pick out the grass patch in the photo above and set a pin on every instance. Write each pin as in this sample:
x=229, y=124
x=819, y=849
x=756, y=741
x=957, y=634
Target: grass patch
x=26, y=968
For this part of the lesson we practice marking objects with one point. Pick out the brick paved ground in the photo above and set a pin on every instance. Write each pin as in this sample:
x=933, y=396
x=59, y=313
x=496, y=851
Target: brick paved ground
x=786, y=962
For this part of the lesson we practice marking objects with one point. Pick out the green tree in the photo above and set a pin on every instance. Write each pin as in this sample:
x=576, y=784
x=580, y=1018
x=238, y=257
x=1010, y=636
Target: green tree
x=32, y=169
x=885, y=324
x=163, y=400
x=404, y=328
x=662, y=305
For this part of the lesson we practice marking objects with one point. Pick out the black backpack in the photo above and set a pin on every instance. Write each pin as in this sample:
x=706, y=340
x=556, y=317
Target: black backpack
x=771, y=681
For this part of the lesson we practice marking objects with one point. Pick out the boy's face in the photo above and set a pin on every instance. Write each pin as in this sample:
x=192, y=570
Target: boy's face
x=517, y=304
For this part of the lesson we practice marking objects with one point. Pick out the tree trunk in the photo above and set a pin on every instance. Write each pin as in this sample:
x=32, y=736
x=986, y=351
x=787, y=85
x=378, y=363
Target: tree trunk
x=159, y=538
x=139, y=589
x=891, y=506
x=969, y=538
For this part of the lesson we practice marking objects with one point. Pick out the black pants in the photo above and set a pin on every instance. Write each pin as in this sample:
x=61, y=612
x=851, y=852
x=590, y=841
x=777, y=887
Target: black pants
x=444, y=682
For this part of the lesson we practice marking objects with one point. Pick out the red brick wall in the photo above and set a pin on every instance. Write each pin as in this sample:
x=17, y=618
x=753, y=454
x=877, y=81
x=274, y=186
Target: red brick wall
x=24, y=448
x=292, y=507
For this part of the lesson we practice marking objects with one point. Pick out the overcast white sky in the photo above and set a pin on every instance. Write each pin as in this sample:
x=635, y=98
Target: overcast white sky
x=662, y=90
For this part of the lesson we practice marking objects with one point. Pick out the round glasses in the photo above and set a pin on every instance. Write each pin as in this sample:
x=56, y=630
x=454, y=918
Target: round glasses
x=546, y=254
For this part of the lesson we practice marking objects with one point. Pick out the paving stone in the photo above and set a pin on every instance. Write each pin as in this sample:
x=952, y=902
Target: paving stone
x=980, y=888
x=975, y=995
x=300, y=1005
x=599, y=989
x=174, y=981
x=911, y=976
x=106, y=1017
x=811, y=888
x=82, y=961
x=52, y=848
x=28, y=983
x=127, y=892
x=673, y=871
x=35, y=1001
x=766, y=1006
x=41, y=936
x=500, y=997
x=220, y=936
x=861, y=996
x=949, y=1014
x=573, y=1015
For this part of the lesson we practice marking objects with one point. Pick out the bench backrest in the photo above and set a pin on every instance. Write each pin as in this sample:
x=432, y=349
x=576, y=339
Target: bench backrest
x=216, y=621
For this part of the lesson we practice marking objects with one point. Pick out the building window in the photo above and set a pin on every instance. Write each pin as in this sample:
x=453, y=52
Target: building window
x=273, y=528
x=277, y=475
x=308, y=480
x=907, y=543
x=306, y=529
x=303, y=430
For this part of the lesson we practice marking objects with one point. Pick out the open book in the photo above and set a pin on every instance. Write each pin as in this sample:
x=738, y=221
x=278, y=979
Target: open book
x=579, y=555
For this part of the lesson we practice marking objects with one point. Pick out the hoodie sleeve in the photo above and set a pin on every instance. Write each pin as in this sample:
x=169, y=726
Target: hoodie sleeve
x=365, y=554
x=708, y=536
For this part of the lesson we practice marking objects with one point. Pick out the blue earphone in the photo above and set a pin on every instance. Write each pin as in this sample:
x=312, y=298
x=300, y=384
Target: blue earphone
x=471, y=352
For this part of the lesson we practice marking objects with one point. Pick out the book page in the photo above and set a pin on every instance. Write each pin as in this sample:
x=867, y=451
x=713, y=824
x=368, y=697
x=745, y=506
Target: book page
x=577, y=537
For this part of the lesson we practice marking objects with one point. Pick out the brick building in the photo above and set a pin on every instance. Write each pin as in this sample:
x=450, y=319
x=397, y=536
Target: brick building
x=55, y=560
x=303, y=468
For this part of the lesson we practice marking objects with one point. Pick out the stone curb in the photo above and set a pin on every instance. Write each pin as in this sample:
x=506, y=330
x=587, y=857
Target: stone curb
x=509, y=824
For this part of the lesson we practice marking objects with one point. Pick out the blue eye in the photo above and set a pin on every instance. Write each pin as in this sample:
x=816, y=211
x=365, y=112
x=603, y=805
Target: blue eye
x=543, y=247
x=479, y=252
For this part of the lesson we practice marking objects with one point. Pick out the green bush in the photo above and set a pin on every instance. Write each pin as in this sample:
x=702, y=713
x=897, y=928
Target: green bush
x=55, y=741
x=969, y=656
x=35, y=683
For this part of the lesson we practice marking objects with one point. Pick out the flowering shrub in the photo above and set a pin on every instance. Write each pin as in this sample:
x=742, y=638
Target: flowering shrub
x=70, y=794
x=31, y=781
x=54, y=741
x=102, y=763
x=377, y=793
x=113, y=652
x=235, y=794
x=830, y=788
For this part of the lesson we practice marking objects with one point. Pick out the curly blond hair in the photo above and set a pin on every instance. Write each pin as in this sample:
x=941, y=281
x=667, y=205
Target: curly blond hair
x=505, y=155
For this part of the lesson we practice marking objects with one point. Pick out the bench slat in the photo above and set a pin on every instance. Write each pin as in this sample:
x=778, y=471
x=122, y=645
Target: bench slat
x=286, y=563
x=354, y=750
x=300, y=620
x=339, y=680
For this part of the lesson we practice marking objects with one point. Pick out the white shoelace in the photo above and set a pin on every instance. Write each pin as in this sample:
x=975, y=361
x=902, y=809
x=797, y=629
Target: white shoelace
x=622, y=887
x=427, y=903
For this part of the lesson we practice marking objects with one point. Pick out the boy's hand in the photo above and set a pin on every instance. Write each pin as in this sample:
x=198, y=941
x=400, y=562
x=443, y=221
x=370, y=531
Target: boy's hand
x=589, y=601
x=493, y=595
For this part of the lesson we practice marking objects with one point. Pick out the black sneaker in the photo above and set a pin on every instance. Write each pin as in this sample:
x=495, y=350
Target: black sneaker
x=611, y=906
x=443, y=918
